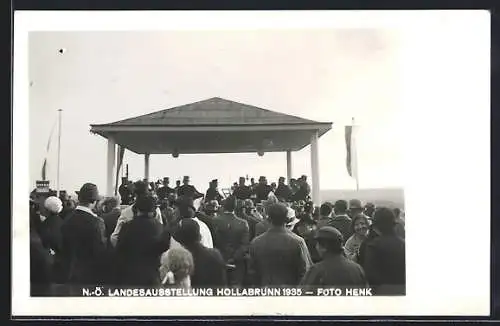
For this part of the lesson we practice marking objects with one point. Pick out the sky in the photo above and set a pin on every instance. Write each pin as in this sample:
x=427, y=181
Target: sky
x=319, y=74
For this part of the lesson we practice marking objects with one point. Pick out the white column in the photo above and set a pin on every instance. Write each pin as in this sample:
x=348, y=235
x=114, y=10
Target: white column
x=146, y=166
x=288, y=165
x=315, y=169
x=110, y=177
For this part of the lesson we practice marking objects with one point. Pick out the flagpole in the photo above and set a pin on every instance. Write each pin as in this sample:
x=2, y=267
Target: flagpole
x=59, y=154
x=355, y=152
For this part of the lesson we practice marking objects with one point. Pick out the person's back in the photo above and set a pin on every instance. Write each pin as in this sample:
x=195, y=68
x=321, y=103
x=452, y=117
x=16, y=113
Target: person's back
x=212, y=272
x=231, y=234
x=40, y=266
x=385, y=264
x=277, y=258
x=384, y=257
x=341, y=221
x=139, y=248
x=335, y=269
x=209, y=266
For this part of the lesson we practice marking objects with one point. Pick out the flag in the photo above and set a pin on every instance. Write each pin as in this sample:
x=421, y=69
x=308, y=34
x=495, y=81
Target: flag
x=121, y=152
x=44, y=166
x=351, y=157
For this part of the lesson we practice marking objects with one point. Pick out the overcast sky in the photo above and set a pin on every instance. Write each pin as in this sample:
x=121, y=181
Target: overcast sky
x=326, y=75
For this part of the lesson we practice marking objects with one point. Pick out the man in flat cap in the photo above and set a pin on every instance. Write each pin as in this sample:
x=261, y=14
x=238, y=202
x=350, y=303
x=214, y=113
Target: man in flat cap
x=187, y=190
x=278, y=257
x=335, y=269
x=84, y=249
x=213, y=192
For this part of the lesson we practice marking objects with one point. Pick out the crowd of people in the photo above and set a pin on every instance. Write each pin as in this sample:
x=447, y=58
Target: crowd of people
x=259, y=235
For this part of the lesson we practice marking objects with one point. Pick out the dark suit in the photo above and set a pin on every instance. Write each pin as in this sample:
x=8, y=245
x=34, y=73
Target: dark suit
x=231, y=237
x=138, y=250
x=40, y=266
x=278, y=257
x=163, y=192
x=84, y=249
x=242, y=192
x=209, y=267
x=343, y=224
x=262, y=191
x=384, y=265
x=50, y=232
x=335, y=270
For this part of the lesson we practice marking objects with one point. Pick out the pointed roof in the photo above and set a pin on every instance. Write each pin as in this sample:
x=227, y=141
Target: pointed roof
x=215, y=125
x=212, y=112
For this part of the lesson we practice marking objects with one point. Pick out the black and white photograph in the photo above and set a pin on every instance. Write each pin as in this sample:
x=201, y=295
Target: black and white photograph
x=230, y=163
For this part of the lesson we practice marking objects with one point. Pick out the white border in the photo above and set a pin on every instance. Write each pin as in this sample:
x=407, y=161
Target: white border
x=447, y=161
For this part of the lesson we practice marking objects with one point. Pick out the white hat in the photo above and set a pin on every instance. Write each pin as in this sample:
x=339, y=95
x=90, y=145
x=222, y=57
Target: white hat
x=53, y=205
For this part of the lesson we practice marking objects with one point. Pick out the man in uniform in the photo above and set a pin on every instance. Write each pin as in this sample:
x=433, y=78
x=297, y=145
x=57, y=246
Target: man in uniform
x=283, y=191
x=187, y=190
x=213, y=192
x=242, y=191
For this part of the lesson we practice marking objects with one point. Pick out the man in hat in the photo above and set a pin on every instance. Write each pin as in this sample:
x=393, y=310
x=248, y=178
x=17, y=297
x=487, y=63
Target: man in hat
x=283, y=191
x=242, y=191
x=128, y=213
x=341, y=221
x=140, y=245
x=262, y=190
x=84, y=249
x=384, y=256
x=213, y=271
x=278, y=257
x=187, y=190
x=325, y=214
x=165, y=190
x=231, y=237
x=213, y=192
x=335, y=270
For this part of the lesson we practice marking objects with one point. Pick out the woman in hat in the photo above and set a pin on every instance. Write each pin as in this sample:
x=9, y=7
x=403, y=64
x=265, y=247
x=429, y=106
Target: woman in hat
x=360, y=226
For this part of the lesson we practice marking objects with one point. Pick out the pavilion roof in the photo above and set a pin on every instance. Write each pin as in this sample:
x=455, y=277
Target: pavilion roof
x=214, y=125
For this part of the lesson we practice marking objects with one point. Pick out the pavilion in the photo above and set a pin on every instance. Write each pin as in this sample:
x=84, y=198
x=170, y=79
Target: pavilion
x=214, y=125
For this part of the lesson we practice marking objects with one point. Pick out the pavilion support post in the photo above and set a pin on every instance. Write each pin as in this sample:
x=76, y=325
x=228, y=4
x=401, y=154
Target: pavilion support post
x=110, y=177
x=288, y=165
x=146, y=166
x=315, y=169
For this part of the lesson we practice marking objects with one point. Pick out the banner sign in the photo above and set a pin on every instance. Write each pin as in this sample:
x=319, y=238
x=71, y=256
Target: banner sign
x=43, y=186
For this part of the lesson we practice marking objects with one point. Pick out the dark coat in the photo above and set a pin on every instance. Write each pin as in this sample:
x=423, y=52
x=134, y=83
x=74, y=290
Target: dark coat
x=262, y=191
x=110, y=220
x=337, y=271
x=209, y=267
x=84, y=249
x=242, y=192
x=344, y=224
x=138, y=251
x=163, y=192
x=40, y=266
x=384, y=264
x=231, y=238
x=278, y=257
x=50, y=233
x=302, y=193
